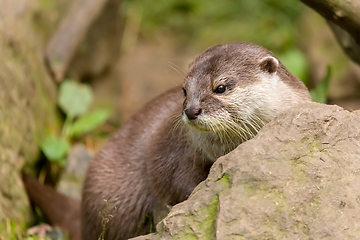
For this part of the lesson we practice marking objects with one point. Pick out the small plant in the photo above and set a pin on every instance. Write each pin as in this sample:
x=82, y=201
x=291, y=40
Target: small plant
x=74, y=100
x=35, y=237
x=105, y=218
x=16, y=231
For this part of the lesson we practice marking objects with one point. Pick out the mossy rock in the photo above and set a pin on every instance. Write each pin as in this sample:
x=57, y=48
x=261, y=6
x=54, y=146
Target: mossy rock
x=297, y=179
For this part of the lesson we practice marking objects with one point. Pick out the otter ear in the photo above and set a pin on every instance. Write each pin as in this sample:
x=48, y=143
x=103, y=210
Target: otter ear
x=269, y=64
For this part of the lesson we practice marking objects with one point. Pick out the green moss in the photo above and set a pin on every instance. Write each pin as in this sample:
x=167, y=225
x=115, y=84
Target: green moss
x=316, y=201
x=186, y=234
x=205, y=217
x=203, y=222
x=200, y=225
x=312, y=145
x=224, y=181
x=208, y=224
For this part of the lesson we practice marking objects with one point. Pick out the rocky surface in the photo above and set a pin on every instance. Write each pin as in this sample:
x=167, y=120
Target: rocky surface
x=297, y=179
x=72, y=178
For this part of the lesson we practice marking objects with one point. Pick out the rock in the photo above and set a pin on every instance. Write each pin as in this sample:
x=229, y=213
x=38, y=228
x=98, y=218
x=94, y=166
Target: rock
x=72, y=179
x=297, y=179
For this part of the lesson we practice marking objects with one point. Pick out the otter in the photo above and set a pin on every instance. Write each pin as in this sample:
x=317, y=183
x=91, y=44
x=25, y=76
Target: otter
x=167, y=148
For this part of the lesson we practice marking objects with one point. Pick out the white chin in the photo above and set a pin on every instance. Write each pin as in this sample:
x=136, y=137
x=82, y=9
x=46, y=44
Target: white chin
x=199, y=127
x=195, y=124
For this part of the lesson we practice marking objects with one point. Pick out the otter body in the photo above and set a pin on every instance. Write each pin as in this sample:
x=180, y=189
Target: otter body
x=168, y=147
x=143, y=162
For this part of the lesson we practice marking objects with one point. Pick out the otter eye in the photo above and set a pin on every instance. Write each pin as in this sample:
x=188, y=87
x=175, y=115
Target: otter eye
x=184, y=92
x=220, y=89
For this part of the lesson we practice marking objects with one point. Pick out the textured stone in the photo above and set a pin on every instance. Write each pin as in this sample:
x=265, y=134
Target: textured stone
x=297, y=179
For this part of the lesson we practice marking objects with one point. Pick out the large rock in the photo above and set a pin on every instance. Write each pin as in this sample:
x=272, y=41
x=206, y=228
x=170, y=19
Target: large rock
x=297, y=179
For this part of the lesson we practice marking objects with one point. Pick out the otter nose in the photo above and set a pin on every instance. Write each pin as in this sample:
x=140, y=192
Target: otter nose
x=193, y=113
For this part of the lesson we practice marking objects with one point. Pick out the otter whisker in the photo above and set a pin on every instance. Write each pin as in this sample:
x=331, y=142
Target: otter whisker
x=257, y=120
x=177, y=121
x=177, y=68
x=253, y=129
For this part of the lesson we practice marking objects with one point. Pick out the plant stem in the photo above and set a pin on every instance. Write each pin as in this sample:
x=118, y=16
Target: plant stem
x=65, y=132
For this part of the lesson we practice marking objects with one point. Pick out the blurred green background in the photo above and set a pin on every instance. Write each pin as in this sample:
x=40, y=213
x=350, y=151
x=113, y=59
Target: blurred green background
x=197, y=25
x=292, y=31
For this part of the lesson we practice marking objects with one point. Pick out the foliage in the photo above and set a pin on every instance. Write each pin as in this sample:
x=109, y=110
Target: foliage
x=74, y=100
x=295, y=61
x=320, y=93
x=88, y=122
x=35, y=237
x=266, y=22
x=55, y=148
x=16, y=231
x=203, y=23
x=106, y=216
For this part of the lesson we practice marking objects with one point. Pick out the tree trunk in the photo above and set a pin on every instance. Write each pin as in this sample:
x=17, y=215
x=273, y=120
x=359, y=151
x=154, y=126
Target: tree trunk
x=343, y=17
x=27, y=98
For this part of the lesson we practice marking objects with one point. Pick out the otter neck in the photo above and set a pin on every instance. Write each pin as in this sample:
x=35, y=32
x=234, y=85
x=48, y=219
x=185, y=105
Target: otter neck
x=212, y=145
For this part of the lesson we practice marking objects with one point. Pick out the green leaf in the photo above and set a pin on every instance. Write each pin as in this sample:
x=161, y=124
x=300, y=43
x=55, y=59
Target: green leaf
x=89, y=122
x=74, y=98
x=320, y=93
x=55, y=149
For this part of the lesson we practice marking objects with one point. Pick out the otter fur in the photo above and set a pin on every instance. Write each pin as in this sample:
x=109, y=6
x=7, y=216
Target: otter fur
x=167, y=148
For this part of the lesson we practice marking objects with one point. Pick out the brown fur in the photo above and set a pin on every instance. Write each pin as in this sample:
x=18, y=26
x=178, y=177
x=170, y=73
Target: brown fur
x=167, y=148
x=61, y=210
x=156, y=157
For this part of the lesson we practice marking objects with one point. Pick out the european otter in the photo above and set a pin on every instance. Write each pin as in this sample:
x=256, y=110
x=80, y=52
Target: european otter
x=168, y=147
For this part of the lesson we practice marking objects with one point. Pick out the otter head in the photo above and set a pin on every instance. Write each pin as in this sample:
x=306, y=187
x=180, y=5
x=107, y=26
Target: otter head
x=233, y=89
